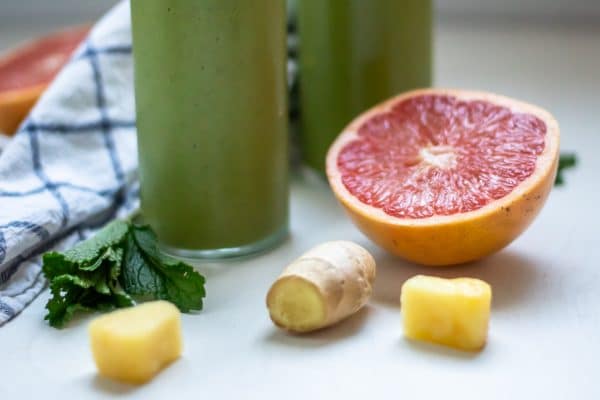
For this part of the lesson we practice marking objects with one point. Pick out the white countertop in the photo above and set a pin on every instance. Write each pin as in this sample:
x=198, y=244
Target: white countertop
x=545, y=331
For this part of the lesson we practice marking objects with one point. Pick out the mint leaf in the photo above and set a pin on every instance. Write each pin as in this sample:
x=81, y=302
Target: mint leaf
x=104, y=272
x=91, y=288
x=85, y=278
x=86, y=252
x=63, y=303
x=71, y=294
x=147, y=272
x=566, y=161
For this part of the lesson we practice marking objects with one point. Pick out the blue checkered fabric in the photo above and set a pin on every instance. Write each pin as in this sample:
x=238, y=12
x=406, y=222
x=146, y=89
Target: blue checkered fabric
x=72, y=165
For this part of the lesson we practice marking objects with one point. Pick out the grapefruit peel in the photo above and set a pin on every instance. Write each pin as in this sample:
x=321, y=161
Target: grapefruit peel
x=22, y=85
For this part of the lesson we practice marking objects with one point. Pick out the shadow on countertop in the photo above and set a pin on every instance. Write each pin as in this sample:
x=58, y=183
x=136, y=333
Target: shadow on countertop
x=511, y=275
x=326, y=336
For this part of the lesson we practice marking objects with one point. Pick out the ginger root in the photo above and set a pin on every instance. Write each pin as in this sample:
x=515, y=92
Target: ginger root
x=325, y=285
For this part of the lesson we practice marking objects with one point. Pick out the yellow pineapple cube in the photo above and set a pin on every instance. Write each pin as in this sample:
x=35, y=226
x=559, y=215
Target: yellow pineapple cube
x=452, y=312
x=132, y=345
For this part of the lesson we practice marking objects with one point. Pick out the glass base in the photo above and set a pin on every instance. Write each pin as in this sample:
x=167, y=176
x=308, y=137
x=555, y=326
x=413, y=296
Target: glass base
x=230, y=252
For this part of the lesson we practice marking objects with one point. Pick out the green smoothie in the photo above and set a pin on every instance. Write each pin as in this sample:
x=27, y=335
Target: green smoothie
x=354, y=54
x=211, y=97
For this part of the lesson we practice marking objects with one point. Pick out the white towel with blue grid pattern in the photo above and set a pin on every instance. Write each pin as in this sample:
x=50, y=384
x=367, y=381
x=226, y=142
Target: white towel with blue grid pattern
x=72, y=165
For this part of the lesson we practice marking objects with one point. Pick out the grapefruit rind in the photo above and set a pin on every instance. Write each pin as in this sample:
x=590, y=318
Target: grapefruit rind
x=452, y=239
x=15, y=103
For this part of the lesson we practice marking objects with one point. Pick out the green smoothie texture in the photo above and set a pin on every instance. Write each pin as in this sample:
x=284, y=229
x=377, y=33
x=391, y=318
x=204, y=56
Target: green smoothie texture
x=353, y=55
x=211, y=99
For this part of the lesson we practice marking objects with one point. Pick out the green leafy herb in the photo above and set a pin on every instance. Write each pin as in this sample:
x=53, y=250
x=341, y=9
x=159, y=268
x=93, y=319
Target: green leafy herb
x=148, y=272
x=566, y=161
x=120, y=263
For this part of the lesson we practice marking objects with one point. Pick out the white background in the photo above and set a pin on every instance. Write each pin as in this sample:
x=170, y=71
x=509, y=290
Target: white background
x=63, y=11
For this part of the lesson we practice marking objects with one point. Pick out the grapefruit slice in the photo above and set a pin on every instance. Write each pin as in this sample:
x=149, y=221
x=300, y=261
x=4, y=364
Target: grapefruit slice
x=26, y=71
x=443, y=177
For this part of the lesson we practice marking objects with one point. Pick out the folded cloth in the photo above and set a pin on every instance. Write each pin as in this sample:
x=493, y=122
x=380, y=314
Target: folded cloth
x=72, y=165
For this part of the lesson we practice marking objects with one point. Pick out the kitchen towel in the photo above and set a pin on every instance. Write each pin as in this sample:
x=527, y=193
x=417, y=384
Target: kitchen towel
x=73, y=164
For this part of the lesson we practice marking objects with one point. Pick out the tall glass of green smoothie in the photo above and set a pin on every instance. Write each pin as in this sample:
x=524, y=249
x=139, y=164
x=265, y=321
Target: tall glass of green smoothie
x=211, y=99
x=354, y=54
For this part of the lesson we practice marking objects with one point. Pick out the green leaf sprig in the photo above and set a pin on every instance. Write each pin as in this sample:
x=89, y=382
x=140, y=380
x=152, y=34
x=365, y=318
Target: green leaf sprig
x=120, y=263
x=566, y=161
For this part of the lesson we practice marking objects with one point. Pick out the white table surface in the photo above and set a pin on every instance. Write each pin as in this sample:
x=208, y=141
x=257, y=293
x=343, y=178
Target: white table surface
x=545, y=331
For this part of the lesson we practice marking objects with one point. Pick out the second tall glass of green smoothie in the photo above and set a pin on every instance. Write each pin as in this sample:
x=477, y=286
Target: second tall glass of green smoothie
x=354, y=54
x=211, y=97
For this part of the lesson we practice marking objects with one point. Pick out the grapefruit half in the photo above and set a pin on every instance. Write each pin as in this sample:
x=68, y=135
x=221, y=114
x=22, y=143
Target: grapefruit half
x=443, y=177
x=26, y=71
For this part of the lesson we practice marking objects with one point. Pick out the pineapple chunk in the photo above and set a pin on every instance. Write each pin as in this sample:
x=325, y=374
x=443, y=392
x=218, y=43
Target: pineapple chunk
x=452, y=312
x=134, y=344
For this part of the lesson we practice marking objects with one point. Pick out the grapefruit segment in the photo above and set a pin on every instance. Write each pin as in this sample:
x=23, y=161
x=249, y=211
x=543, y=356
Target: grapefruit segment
x=443, y=177
x=26, y=71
